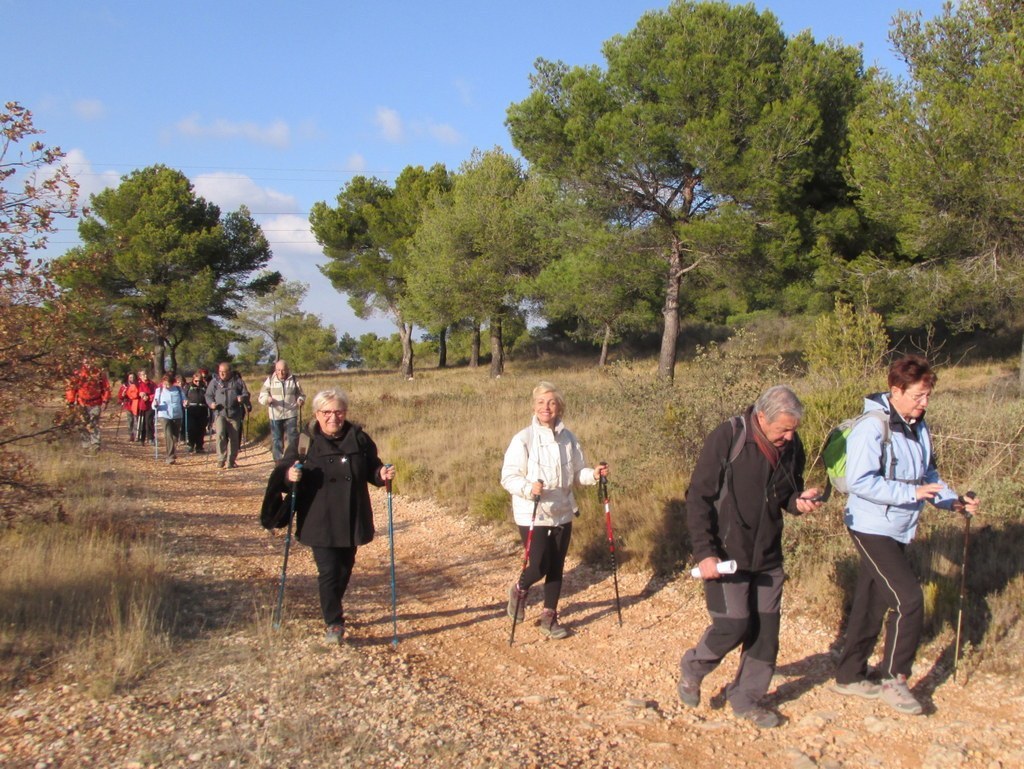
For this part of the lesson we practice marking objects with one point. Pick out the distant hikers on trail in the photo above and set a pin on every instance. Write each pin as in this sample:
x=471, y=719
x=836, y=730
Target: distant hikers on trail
x=334, y=516
x=749, y=473
x=542, y=464
x=283, y=396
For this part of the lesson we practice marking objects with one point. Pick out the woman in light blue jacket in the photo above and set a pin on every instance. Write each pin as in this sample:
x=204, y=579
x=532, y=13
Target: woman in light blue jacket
x=891, y=473
x=168, y=405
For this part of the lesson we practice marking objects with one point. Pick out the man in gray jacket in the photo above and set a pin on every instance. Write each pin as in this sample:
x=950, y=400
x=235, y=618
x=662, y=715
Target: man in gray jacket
x=283, y=396
x=228, y=398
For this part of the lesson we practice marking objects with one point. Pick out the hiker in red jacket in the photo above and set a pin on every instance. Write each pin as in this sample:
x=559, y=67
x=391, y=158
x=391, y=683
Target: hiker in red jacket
x=142, y=405
x=88, y=390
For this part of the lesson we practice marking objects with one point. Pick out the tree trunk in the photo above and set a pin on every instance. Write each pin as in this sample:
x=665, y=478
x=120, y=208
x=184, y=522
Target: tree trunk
x=474, y=346
x=670, y=333
x=442, y=348
x=158, y=359
x=405, y=334
x=605, y=344
x=172, y=351
x=497, y=349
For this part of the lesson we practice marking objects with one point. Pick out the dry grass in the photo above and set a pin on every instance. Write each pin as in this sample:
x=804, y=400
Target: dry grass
x=88, y=597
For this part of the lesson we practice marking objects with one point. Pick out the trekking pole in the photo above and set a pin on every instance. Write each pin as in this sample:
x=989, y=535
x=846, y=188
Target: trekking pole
x=526, y=562
x=603, y=493
x=391, y=547
x=963, y=576
x=156, y=436
x=287, y=547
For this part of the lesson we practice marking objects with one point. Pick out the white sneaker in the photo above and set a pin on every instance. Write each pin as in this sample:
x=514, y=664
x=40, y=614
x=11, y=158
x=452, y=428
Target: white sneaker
x=896, y=694
x=862, y=688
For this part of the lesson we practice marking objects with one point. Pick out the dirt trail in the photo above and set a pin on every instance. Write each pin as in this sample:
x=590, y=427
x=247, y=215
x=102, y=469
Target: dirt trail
x=453, y=693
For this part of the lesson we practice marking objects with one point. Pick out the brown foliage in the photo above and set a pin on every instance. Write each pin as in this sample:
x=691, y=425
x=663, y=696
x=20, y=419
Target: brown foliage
x=36, y=348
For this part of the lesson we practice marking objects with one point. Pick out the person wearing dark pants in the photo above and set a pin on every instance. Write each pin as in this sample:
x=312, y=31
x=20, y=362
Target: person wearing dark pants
x=542, y=464
x=891, y=473
x=228, y=397
x=886, y=585
x=334, y=570
x=330, y=469
x=749, y=472
x=196, y=413
x=548, y=549
x=745, y=610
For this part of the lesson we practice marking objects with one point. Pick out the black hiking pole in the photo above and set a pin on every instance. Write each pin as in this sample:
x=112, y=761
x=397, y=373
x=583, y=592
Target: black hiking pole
x=603, y=493
x=391, y=547
x=287, y=547
x=963, y=576
x=520, y=597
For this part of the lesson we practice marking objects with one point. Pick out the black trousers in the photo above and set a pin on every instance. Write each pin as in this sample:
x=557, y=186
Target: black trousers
x=195, y=425
x=546, y=560
x=885, y=585
x=334, y=570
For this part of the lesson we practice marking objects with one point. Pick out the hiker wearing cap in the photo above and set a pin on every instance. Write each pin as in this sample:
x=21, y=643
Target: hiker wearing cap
x=283, y=396
x=749, y=472
x=881, y=516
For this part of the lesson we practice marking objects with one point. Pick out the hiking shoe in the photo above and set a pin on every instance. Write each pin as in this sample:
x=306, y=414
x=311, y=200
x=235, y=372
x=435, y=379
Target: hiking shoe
x=549, y=625
x=221, y=465
x=760, y=717
x=863, y=688
x=334, y=633
x=516, y=598
x=896, y=694
x=689, y=692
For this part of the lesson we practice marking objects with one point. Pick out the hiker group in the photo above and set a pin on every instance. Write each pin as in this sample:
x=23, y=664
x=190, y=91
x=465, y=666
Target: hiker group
x=749, y=474
x=194, y=408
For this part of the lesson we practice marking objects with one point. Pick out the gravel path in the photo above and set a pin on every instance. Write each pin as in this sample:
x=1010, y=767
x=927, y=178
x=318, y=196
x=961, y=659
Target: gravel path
x=236, y=693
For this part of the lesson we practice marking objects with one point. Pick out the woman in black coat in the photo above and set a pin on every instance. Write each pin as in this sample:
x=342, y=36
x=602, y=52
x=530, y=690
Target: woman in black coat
x=334, y=516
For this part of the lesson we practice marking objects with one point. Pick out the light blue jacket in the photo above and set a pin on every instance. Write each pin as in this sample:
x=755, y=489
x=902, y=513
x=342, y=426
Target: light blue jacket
x=167, y=401
x=878, y=505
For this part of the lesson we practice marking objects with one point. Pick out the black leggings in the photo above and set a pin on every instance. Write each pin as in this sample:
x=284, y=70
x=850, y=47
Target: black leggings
x=547, y=560
x=334, y=567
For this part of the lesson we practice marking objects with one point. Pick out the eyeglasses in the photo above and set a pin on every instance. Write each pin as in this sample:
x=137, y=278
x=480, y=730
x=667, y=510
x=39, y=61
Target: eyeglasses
x=918, y=397
x=336, y=414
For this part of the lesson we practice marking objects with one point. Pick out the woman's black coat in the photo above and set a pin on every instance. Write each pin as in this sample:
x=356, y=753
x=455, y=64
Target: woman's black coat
x=333, y=501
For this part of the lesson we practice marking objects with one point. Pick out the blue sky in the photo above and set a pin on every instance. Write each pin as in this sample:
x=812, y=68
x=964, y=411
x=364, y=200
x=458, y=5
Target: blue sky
x=277, y=105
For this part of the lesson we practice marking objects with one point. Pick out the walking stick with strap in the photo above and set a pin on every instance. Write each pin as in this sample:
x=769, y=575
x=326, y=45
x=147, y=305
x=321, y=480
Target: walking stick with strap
x=520, y=597
x=963, y=576
x=391, y=547
x=603, y=493
x=287, y=547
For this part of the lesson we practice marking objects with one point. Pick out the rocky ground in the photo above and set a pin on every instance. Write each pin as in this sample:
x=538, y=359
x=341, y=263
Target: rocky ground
x=452, y=692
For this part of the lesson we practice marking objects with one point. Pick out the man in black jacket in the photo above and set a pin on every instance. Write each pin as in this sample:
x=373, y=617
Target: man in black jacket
x=750, y=471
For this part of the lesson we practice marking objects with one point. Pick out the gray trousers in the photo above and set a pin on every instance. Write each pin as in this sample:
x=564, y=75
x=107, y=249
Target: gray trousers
x=744, y=609
x=229, y=438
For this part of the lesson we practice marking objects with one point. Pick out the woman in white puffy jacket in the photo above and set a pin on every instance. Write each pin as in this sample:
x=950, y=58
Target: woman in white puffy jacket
x=542, y=463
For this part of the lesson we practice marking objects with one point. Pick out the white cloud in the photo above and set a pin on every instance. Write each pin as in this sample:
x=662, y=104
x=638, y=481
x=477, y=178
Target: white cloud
x=465, y=90
x=356, y=163
x=229, y=191
x=275, y=134
x=390, y=124
x=90, y=180
x=89, y=109
x=443, y=133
